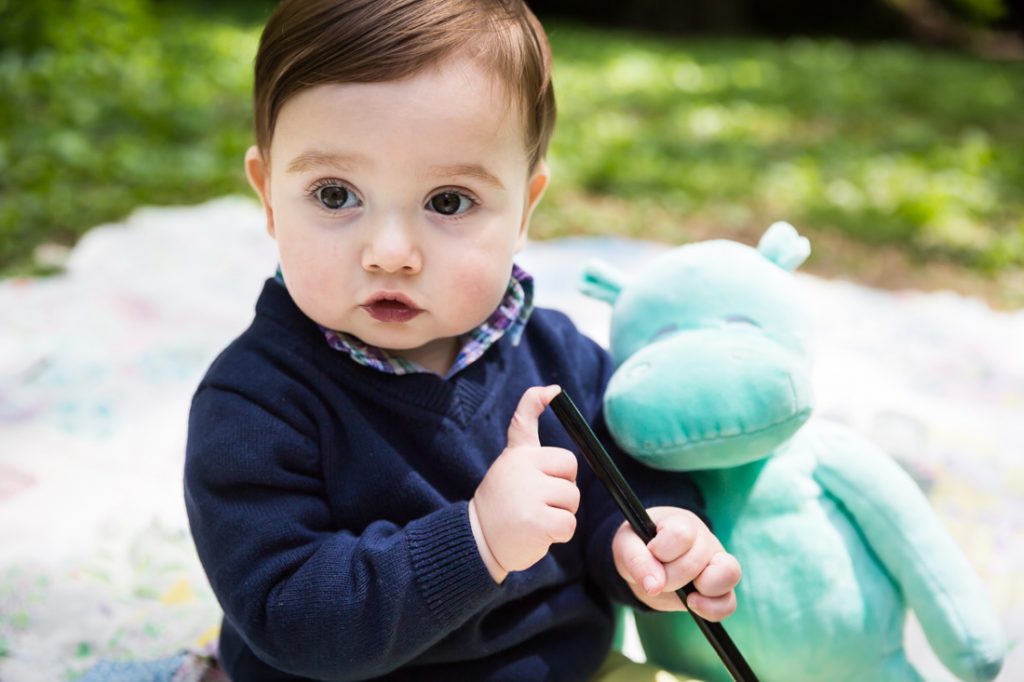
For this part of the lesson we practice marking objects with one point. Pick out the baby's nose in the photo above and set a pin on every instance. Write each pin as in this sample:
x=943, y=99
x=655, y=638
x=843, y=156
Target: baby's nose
x=392, y=248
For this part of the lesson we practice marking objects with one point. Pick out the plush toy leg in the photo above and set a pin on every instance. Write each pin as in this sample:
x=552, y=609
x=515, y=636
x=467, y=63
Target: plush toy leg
x=897, y=668
x=620, y=628
x=618, y=668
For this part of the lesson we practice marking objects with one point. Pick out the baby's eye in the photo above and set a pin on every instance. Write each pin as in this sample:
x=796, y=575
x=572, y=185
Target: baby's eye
x=336, y=197
x=450, y=203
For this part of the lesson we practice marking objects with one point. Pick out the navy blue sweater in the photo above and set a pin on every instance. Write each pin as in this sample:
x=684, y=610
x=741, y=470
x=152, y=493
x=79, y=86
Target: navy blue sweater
x=328, y=504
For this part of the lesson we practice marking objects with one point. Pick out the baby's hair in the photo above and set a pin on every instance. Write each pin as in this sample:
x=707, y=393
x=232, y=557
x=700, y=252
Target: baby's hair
x=312, y=42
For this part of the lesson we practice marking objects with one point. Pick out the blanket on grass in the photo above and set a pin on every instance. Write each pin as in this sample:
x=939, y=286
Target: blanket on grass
x=97, y=367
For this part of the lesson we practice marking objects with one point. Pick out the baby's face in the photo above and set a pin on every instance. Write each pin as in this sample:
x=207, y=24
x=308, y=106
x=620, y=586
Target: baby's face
x=397, y=207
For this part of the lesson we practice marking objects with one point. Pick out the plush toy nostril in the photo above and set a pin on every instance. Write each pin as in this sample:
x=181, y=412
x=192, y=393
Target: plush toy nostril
x=639, y=370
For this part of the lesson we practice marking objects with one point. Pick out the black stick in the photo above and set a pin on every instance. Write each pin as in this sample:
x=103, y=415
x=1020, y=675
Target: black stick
x=602, y=464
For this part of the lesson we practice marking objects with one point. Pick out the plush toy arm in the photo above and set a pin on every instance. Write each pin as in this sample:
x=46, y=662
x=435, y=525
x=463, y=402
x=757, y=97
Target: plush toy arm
x=935, y=577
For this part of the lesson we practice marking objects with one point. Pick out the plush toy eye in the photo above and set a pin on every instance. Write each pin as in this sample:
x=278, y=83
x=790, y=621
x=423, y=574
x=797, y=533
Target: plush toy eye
x=741, y=319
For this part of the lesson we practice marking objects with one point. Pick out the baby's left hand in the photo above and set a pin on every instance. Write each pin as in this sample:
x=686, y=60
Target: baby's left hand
x=684, y=550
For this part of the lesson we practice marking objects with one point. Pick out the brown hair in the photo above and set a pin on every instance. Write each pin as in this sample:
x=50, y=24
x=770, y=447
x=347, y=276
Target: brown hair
x=311, y=42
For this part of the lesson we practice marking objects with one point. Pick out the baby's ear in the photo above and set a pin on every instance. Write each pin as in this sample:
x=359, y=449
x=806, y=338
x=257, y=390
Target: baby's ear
x=258, y=173
x=784, y=246
x=601, y=281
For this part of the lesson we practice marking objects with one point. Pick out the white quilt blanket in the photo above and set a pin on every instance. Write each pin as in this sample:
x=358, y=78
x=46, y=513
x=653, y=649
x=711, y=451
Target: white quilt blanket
x=97, y=367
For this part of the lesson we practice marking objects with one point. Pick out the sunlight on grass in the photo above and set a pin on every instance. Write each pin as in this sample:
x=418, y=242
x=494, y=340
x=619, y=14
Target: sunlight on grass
x=657, y=138
x=886, y=143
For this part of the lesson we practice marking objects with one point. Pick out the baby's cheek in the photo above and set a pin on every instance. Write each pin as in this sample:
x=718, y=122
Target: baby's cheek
x=480, y=285
x=317, y=293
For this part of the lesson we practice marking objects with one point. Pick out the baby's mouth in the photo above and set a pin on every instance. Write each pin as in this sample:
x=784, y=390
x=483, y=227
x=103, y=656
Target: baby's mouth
x=389, y=308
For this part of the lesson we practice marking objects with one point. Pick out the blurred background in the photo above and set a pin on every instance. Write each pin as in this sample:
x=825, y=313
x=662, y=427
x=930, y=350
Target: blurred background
x=888, y=130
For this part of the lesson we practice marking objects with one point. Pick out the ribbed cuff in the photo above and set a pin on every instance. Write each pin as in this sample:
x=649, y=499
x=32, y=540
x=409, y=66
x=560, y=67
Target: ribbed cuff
x=450, y=573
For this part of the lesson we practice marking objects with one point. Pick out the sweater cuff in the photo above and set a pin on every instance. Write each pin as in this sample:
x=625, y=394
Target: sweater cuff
x=450, y=573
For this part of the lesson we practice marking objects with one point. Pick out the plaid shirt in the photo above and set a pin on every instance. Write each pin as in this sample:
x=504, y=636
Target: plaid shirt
x=508, y=318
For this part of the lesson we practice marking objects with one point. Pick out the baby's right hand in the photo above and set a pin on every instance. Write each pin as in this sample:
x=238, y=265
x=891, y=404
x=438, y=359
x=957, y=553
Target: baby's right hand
x=528, y=498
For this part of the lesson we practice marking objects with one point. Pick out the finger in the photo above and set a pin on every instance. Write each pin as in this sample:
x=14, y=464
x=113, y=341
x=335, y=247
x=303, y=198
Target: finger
x=561, y=525
x=559, y=462
x=666, y=601
x=677, y=531
x=720, y=576
x=688, y=566
x=712, y=608
x=561, y=494
x=635, y=562
x=522, y=430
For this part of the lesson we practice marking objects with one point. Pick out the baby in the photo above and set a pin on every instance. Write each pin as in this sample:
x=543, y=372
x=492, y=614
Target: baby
x=374, y=486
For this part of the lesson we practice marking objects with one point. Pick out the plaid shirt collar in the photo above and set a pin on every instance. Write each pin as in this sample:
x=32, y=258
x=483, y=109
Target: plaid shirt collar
x=508, y=318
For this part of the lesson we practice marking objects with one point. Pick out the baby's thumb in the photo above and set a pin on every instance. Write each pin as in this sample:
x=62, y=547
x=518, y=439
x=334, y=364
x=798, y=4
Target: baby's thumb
x=522, y=430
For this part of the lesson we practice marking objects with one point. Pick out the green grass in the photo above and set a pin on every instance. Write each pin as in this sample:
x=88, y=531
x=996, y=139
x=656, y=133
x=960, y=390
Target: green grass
x=118, y=108
x=885, y=143
x=866, y=148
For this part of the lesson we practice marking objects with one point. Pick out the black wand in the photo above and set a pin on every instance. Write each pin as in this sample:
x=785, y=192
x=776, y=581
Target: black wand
x=602, y=464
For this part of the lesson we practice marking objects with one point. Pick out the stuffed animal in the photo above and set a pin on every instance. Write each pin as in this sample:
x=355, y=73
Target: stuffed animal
x=834, y=539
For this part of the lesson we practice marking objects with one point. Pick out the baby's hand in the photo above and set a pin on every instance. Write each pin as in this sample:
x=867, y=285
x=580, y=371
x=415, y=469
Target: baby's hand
x=684, y=550
x=528, y=498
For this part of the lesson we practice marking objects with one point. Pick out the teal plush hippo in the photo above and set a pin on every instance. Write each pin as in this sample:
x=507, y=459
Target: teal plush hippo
x=835, y=540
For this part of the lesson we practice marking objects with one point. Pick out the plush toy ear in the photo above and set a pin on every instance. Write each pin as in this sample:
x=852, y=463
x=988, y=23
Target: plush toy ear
x=782, y=245
x=601, y=281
